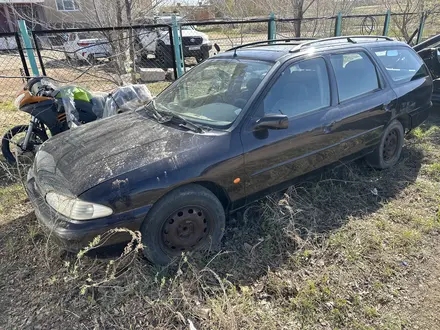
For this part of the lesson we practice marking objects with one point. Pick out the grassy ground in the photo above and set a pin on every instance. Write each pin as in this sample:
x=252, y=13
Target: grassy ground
x=353, y=249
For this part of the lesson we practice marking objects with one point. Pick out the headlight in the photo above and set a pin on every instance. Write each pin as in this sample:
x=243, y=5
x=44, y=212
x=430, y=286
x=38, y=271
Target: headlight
x=75, y=208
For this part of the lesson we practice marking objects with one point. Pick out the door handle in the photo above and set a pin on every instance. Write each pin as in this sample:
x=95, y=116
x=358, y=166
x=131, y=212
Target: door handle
x=329, y=127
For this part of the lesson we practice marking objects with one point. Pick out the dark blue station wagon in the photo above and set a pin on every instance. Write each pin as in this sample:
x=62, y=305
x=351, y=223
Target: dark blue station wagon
x=242, y=124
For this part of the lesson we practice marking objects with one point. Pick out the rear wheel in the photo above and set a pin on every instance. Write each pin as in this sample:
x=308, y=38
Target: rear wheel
x=189, y=218
x=13, y=140
x=91, y=59
x=388, y=151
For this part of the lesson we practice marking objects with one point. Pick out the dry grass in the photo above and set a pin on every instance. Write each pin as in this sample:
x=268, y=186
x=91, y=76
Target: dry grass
x=346, y=250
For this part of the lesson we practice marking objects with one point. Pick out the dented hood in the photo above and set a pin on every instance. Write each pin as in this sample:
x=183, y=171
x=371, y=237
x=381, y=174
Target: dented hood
x=81, y=158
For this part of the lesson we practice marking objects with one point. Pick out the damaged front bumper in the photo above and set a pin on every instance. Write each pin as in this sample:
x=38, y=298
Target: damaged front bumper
x=73, y=235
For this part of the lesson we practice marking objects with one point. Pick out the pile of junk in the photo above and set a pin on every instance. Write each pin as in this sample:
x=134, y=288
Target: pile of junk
x=55, y=108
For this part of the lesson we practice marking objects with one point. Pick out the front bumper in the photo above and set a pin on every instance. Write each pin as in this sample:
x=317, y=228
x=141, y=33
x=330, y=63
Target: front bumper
x=199, y=51
x=74, y=235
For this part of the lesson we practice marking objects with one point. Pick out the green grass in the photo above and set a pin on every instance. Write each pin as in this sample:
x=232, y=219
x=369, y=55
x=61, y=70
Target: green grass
x=157, y=87
x=10, y=196
x=328, y=254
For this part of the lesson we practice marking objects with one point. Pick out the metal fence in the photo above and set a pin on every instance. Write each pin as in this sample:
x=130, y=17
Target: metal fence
x=101, y=59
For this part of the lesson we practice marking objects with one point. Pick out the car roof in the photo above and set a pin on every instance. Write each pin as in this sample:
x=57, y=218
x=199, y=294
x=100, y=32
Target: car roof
x=294, y=48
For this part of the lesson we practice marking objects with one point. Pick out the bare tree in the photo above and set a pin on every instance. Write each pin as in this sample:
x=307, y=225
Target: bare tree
x=409, y=14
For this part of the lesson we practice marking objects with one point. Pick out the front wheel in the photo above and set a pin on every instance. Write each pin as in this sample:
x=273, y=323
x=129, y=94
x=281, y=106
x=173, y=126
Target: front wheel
x=164, y=58
x=13, y=140
x=388, y=151
x=187, y=219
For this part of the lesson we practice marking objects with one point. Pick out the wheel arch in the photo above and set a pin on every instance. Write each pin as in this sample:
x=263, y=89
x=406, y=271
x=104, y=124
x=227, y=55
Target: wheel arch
x=218, y=191
x=405, y=120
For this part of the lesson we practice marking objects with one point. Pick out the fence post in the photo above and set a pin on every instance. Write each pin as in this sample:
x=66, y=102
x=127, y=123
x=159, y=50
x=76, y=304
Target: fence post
x=22, y=57
x=177, y=42
x=272, y=27
x=28, y=46
x=338, y=25
x=386, y=24
x=421, y=27
x=40, y=58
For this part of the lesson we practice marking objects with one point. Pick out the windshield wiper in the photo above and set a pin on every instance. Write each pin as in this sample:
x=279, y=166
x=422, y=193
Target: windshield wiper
x=153, y=111
x=163, y=116
x=181, y=121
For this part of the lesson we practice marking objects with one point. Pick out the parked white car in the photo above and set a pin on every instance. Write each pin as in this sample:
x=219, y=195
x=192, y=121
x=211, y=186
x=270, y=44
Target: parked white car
x=87, y=46
x=157, y=42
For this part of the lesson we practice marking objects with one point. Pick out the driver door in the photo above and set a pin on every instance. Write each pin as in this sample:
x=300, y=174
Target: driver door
x=274, y=157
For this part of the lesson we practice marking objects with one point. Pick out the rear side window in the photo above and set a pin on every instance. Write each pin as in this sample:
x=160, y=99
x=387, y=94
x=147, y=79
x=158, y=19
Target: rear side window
x=355, y=74
x=402, y=64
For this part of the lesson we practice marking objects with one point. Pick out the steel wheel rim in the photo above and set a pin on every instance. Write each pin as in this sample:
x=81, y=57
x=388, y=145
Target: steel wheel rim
x=390, y=146
x=186, y=229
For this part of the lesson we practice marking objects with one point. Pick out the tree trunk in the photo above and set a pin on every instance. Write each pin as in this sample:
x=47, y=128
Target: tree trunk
x=131, y=42
x=298, y=14
x=120, y=54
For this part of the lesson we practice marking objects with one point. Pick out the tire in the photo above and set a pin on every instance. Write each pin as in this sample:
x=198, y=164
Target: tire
x=164, y=60
x=388, y=151
x=203, y=57
x=91, y=59
x=6, y=145
x=187, y=219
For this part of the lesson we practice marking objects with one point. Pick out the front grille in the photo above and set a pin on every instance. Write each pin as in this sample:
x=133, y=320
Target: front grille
x=192, y=41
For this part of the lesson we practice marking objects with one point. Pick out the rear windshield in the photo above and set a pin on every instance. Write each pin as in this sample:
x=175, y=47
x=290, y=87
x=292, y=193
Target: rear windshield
x=402, y=64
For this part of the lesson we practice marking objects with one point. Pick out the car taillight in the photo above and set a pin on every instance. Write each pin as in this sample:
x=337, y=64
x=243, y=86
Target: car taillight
x=83, y=44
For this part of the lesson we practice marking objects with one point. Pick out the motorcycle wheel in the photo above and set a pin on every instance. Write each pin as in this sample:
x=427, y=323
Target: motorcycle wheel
x=15, y=137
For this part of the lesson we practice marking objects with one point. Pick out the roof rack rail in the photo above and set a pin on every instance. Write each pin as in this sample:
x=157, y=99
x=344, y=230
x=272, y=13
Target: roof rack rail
x=346, y=38
x=271, y=42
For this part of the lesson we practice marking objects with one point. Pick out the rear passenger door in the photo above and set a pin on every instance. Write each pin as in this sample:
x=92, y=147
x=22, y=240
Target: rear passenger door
x=411, y=80
x=366, y=102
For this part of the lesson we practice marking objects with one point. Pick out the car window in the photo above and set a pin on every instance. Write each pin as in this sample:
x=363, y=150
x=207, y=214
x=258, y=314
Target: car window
x=301, y=88
x=355, y=74
x=72, y=36
x=402, y=64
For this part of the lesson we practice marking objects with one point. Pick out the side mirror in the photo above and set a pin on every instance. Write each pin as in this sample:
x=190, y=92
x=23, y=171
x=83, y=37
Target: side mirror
x=273, y=122
x=217, y=47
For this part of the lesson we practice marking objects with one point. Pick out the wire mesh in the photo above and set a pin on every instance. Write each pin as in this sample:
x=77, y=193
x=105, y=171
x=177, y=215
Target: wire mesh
x=11, y=71
x=228, y=35
x=102, y=59
x=403, y=26
x=432, y=26
x=310, y=28
x=363, y=25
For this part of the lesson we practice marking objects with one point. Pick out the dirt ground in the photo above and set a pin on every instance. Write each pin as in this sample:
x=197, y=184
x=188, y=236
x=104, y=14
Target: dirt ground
x=354, y=248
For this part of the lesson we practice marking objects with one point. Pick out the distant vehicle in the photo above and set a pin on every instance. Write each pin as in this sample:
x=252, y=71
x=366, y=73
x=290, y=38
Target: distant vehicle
x=429, y=51
x=87, y=46
x=233, y=129
x=157, y=42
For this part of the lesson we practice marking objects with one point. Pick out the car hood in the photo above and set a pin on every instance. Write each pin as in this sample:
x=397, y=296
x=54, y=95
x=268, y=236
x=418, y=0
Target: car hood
x=86, y=156
x=194, y=33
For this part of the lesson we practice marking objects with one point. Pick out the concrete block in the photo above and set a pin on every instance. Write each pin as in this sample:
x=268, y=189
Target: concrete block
x=148, y=75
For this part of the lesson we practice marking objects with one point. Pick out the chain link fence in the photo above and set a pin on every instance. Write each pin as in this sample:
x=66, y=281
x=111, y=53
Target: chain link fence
x=102, y=59
x=13, y=69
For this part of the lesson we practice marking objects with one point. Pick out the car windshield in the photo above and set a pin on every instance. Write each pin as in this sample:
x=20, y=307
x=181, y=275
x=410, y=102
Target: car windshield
x=214, y=92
